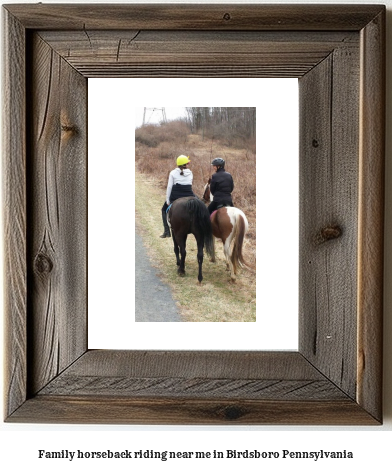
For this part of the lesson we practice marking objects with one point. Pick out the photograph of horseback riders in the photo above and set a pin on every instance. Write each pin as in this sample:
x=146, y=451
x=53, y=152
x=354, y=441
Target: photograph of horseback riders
x=196, y=168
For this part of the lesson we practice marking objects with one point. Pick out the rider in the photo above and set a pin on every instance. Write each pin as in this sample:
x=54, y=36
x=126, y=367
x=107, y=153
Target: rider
x=179, y=185
x=221, y=186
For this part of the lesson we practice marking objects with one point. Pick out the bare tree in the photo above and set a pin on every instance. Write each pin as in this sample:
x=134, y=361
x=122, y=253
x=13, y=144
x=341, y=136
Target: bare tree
x=229, y=123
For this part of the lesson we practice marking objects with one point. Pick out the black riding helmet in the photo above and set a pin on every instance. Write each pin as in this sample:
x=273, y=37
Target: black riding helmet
x=218, y=162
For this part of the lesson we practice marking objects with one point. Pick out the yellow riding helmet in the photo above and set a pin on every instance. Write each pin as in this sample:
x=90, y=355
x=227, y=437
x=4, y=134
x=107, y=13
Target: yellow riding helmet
x=183, y=160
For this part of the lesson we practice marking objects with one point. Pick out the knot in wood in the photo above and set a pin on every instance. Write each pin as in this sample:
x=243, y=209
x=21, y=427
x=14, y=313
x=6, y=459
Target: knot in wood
x=68, y=128
x=232, y=413
x=227, y=16
x=328, y=233
x=43, y=264
x=315, y=143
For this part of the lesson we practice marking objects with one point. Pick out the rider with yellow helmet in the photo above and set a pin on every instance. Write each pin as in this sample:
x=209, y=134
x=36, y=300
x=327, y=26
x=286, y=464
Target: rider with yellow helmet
x=179, y=185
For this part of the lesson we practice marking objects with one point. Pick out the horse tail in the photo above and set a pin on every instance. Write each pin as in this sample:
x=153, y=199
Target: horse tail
x=237, y=257
x=202, y=222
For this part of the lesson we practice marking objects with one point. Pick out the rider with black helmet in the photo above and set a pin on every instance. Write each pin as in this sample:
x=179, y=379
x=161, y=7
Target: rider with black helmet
x=221, y=186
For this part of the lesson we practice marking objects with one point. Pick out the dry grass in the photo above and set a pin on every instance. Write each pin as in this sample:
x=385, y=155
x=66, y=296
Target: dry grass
x=216, y=299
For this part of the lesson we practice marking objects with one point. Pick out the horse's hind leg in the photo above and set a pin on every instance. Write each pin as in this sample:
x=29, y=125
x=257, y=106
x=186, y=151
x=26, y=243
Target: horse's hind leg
x=176, y=250
x=200, y=247
x=212, y=259
x=229, y=263
x=182, y=245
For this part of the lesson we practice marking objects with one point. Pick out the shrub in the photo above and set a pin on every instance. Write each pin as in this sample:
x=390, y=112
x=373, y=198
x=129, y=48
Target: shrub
x=175, y=131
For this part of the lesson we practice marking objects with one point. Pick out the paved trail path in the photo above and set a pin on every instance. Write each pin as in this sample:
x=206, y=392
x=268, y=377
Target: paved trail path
x=154, y=301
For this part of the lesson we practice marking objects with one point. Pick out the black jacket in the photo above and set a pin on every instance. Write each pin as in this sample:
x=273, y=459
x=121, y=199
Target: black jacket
x=221, y=185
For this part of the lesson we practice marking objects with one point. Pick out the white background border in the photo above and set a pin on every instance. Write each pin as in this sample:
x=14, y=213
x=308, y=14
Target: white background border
x=371, y=445
x=111, y=213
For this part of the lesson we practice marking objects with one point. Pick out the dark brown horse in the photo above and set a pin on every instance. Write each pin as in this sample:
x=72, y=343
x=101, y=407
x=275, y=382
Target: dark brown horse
x=229, y=224
x=189, y=215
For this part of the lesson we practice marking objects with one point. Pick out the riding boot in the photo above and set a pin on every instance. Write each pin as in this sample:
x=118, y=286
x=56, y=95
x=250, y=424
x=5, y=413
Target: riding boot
x=166, y=227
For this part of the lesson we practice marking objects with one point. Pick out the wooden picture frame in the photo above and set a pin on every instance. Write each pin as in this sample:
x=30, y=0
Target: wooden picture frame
x=337, y=52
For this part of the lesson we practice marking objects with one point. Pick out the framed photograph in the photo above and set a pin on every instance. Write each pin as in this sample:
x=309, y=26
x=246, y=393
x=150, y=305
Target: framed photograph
x=337, y=53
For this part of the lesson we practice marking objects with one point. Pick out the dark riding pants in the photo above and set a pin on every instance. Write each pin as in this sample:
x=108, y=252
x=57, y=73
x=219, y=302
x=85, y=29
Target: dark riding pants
x=214, y=205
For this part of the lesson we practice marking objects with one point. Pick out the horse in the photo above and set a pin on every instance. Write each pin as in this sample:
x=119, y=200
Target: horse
x=189, y=215
x=230, y=225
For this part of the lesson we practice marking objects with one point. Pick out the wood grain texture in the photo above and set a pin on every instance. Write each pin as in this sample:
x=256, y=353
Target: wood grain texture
x=329, y=167
x=188, y=387
x=179, y=374
x=205, y=364
x=57, y=215
x=371, y=216
x=192, y=387
x=14, y=207
x=155, y=411
x=194, y=17
x=194, y=53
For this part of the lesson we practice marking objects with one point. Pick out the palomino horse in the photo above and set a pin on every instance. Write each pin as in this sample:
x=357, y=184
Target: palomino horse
x=229, y=224
x=188, y=215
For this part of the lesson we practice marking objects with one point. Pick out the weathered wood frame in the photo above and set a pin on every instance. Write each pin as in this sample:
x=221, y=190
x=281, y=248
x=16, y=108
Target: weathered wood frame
x=337, y=52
